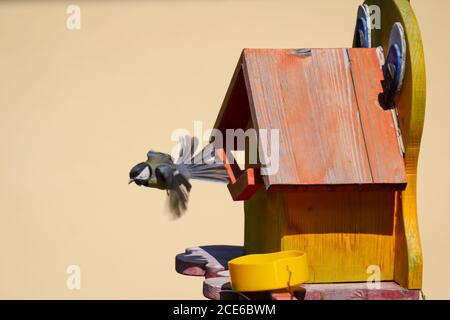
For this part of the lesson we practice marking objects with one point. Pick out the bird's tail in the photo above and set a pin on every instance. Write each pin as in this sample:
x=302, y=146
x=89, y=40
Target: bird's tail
x=203, y=165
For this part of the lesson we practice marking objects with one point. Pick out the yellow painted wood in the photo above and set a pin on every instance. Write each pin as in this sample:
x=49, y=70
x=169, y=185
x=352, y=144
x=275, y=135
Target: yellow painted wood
x=342, y=232
x=263, y=222
x=411, y=109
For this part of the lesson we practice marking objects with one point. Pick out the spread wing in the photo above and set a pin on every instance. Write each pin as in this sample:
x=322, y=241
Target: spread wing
x=178, y=188
x=155, y=158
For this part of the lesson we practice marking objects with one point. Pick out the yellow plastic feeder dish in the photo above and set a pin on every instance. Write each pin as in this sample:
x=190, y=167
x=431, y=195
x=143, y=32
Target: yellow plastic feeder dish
x=269, y=271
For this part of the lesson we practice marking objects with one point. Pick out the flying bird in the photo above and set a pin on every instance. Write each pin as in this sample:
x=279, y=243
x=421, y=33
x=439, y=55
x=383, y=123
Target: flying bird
x=160, y=171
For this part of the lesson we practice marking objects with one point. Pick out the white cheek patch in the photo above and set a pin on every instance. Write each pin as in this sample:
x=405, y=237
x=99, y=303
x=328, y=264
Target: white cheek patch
x=144, y=175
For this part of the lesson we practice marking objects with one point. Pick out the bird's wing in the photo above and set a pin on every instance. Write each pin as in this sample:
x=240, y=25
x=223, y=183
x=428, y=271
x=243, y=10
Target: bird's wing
x=178, y=188
x=155, y=158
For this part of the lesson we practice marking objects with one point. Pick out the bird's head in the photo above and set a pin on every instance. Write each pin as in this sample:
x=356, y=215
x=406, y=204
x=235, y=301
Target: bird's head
x=140, y=174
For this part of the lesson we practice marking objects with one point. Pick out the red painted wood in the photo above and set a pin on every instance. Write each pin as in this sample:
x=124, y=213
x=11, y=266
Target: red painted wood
x=243, y=184
x=349, y=291
x=321, y=102
x=386, y=162
x=213, y=288
x=246, y=185
x=230, y=164
x=310, y=100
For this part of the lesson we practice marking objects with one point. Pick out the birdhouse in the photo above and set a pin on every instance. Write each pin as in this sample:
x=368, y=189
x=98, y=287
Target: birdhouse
x=337, y=188
x=337, y=136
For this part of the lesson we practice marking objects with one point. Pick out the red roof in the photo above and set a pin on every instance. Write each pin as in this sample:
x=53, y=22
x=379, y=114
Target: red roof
x=325, y=104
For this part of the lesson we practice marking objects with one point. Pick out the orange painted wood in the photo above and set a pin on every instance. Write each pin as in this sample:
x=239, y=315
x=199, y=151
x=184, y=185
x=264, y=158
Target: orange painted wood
x=243, y=183
x=312, y=99
x=246, y=185
x=230, y=164
x=386, y=163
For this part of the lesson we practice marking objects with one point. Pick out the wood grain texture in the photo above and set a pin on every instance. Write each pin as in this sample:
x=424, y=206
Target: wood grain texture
x=311, y=98
x=264, y=222
x=343, y=233
x=213, y=287
x=350, y=291
x=217, y=289
x=334, y=133
x=378, y=128
x=335, y=137
x=410, y=104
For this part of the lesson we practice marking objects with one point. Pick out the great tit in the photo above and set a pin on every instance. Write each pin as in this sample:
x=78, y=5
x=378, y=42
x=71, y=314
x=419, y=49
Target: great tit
x=161, y=172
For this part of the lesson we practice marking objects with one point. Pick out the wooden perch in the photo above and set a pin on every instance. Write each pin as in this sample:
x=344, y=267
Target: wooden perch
x=243, y=183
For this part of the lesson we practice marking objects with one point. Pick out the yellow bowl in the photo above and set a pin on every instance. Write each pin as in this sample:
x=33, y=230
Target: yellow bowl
x=269, y=271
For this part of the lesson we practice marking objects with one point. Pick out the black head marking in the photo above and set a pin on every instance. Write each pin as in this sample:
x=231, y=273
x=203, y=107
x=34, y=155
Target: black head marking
x=137, y=174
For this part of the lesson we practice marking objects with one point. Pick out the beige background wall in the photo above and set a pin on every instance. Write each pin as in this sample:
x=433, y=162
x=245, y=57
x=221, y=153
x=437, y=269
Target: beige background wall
x=79, y=108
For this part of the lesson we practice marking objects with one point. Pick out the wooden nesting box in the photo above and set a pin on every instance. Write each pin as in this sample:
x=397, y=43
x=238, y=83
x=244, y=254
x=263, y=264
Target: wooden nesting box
x=337, y=191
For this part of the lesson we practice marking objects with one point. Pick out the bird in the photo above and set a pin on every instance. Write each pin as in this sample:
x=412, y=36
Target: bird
x=160, y=171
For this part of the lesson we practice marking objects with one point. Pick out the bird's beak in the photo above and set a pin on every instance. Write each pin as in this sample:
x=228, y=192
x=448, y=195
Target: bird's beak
x=130, y=181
